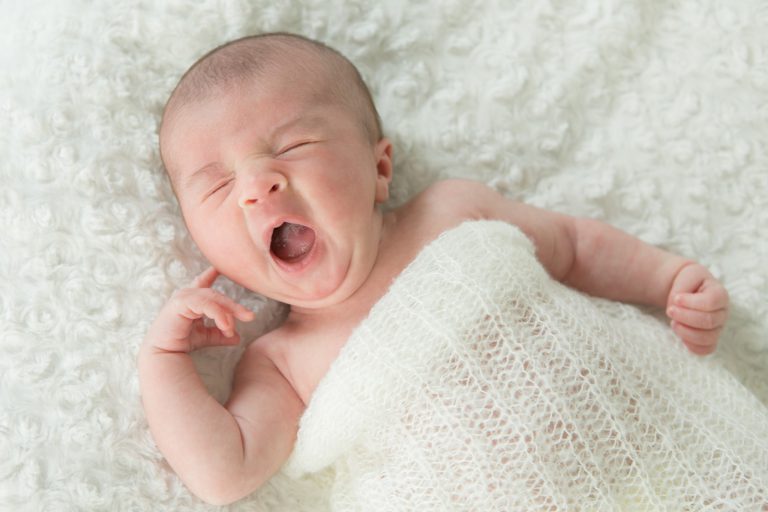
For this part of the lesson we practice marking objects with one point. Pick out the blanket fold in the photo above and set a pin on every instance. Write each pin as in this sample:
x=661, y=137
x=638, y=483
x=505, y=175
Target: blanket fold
x=479, y=383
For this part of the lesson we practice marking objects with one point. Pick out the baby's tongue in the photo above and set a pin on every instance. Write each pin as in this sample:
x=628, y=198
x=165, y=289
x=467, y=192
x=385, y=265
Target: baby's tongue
x=290, y=242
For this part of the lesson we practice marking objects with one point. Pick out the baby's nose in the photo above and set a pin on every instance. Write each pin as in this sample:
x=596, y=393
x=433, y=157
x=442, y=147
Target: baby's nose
x=258, y=188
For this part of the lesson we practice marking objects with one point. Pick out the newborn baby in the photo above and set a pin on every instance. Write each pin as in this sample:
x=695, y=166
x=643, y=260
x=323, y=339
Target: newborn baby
x=275, y=152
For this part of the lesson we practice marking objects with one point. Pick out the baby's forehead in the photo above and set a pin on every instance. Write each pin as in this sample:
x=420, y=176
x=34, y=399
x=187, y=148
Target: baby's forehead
x=300, y=85
x=262, y=115
x=301, y=71
x=256, y=98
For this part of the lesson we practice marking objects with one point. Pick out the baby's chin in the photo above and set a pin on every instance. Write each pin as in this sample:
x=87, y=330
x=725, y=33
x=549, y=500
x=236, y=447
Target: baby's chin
x=327, y=294
x=316, y=299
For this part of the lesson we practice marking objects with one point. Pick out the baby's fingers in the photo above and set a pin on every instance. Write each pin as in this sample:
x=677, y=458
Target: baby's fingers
x=698, y=341
x=198, y=308
x=180, y=326
x=207, y=336
x=220, y=308
x=205, y=279
x=712, y=297
x=706, y=320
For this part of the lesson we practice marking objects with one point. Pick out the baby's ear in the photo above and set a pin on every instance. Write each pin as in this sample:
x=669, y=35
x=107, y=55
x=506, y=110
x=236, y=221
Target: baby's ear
x=383, y=155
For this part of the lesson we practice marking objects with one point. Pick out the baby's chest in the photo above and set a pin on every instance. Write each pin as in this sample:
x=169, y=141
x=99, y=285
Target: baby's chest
x=308, y=357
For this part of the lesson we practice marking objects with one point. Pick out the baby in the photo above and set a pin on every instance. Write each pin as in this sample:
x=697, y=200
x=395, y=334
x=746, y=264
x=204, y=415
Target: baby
x=275, y=152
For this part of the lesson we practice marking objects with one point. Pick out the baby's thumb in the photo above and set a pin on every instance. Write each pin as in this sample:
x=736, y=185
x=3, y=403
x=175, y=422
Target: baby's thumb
x=687, y=280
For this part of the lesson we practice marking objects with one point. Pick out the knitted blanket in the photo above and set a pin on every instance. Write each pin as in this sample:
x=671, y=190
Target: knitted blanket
x=479, y=383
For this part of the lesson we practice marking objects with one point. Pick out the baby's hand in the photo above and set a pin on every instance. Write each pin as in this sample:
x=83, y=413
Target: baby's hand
x=698, y=307
x=179, y=327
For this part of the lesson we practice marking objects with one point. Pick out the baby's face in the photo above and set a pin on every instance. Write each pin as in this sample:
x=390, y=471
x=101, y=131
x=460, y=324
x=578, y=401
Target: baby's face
x=279, y=191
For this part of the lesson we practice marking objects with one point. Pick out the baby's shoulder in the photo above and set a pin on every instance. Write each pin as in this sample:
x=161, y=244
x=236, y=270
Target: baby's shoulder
x=451, y=201
x=441, y=206
x=456, y=187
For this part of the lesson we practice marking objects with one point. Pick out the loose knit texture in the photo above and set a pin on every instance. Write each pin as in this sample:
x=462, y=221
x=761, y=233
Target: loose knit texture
x=480, y=383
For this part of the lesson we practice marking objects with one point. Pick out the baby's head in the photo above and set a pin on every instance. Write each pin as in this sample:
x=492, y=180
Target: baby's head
x=323, y=71
x=274, y=150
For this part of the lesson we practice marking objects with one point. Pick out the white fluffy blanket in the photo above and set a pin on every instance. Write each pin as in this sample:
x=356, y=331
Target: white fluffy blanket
x=479, y=383
x=648, y=114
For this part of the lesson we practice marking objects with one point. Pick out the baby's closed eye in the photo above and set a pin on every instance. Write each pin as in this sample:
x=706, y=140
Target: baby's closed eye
x=219, y=186
x=294, y=146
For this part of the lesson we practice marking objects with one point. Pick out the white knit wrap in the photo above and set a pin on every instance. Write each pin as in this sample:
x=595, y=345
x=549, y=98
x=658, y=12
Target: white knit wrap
x=479, y=383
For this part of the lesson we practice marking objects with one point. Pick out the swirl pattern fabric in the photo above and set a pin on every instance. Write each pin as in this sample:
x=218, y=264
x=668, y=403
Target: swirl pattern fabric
x=480, y=383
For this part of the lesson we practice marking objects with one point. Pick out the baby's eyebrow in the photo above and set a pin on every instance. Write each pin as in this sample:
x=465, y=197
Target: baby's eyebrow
x=305, y=121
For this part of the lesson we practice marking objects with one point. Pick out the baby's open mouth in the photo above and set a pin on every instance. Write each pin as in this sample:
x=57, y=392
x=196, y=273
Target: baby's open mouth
x=292, y=242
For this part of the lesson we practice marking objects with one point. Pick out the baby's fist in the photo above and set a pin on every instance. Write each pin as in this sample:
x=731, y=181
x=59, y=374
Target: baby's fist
x=698, y=307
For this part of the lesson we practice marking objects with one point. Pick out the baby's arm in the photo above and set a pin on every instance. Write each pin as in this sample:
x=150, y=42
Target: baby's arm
x=603, y=261
x=221, y=453
x=610, y=263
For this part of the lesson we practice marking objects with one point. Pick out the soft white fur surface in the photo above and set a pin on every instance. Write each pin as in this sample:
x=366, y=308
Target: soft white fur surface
x=649, y=114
